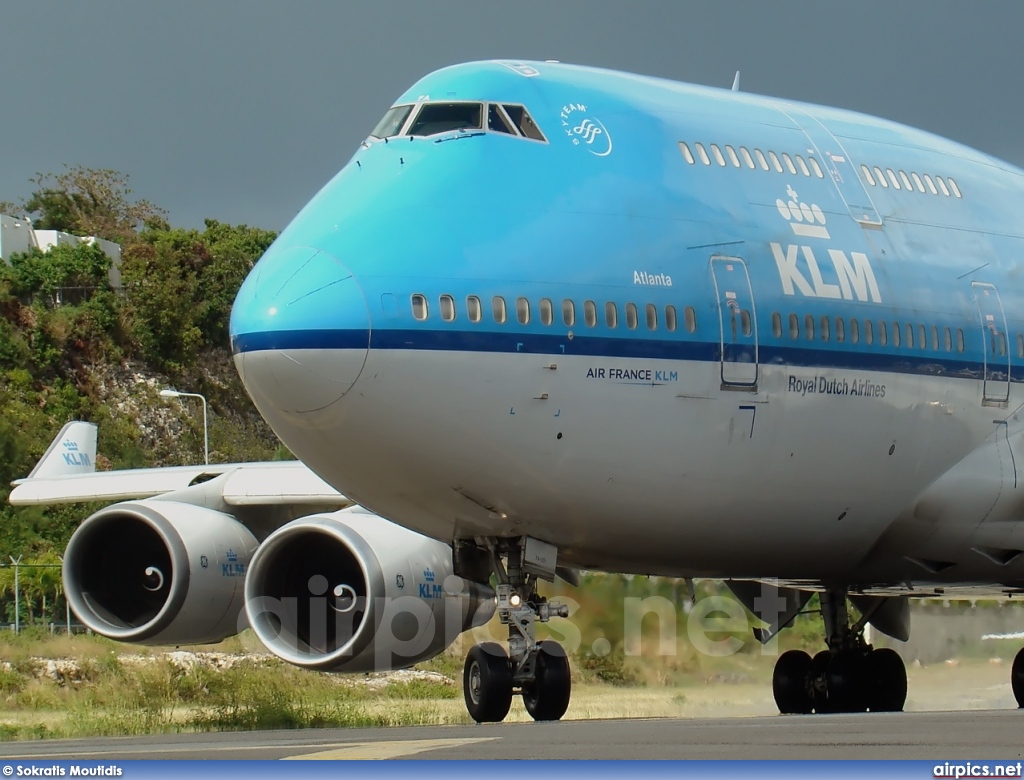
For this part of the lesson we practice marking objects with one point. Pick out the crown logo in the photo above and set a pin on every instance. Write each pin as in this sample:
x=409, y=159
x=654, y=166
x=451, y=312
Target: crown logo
x=805, y=220
x=231, y=555
x=71, y=446
x=428, y=575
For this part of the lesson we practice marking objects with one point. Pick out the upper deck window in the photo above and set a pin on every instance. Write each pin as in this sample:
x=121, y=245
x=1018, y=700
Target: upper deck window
x=392, y=123
x=435, y=118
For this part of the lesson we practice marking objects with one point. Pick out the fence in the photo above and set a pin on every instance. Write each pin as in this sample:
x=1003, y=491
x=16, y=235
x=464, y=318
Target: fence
x=32, y=594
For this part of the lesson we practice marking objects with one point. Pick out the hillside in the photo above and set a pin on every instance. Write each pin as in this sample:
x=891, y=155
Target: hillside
x=71, y=347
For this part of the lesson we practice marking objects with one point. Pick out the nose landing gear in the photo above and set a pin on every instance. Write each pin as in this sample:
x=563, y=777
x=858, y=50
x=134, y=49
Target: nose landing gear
x=851, y=676
x=539, y=671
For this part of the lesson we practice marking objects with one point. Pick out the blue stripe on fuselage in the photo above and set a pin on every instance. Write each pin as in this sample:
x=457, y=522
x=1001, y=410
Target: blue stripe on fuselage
x=602, y=347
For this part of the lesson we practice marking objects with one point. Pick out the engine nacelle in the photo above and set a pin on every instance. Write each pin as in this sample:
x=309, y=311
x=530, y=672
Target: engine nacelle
x=350, y=591
x=158, y=572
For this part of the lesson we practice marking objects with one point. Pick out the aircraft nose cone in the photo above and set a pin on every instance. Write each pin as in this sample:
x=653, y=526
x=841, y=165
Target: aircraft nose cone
x=300, y=329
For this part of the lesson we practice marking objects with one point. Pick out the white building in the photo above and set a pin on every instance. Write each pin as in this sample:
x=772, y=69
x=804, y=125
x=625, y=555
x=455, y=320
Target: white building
x=17, y=235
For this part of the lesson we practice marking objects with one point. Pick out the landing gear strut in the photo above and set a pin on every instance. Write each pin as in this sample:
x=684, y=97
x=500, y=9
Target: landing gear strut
x=539, y=671
x=851, y=676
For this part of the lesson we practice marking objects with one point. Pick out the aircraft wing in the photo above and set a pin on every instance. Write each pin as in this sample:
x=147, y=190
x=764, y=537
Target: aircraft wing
x=66, y=475
x=285, y=482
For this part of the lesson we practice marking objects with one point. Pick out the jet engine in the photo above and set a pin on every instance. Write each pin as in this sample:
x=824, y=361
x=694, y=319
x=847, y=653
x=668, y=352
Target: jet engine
x=350, y=591
x=158, y=572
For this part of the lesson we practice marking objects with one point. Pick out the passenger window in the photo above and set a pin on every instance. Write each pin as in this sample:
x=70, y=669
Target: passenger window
x=473, y=309
x=906, y=181
x=947, y=338
x=746, y=157
x=824, y=329
x=732, y=156
x=776, y=324
x=816, y=168
x=524, y=122
x=869, y=332
x=881, y=177
x=687, y=154
x=435, y=118
x=702, y=153
x=959, y=339
x=854, y=331
x=794, y=326
x=910, y=336
x=568, y=312
x=745, y=323
x=547, y=313
x=718, y=155
x=760, y=159
x=896, y=334
x=775, y=162
x=867, y=175
x=801, y=165
x=935, y=338
x=917, y=181
x=590, y=313
x=931, y=184
x=631, y=316
x=523, y=311
x=892, y=178
x=956, y=189
x=670, y=318
x=498, y=309
x=809, y=327
x=419, y=306
x=789, y=163
x=1001, y=340
x=497, y=121
x=652, y=316
x=883, y=336
x=611, y=315
x=840, y=330
x=922, y=339
x=942, y=185
x=690, y=319
x=1020, y=346
x=447, y=308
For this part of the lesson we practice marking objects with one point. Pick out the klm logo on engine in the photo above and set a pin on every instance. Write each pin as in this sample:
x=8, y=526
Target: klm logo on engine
x=430, y=589
x=799, y=267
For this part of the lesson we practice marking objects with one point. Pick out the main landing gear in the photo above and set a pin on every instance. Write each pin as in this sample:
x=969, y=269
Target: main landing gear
x=539, y=671
x=850, y=676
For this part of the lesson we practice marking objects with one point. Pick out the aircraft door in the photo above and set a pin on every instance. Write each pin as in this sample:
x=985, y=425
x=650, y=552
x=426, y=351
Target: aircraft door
x=997, y=353
x=737, y=322
x=837, y=166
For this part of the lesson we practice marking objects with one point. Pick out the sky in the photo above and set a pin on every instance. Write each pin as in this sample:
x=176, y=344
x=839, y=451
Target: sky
x=240, y=110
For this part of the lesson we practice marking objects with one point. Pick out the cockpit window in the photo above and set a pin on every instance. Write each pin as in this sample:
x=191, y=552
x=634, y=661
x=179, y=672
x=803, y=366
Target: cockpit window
x=392, y=123
x=497, y=121
x=436, y=118
x=521, y=119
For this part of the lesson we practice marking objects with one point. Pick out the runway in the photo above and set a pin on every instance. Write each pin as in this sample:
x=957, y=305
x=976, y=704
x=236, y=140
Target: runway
x=990, y=734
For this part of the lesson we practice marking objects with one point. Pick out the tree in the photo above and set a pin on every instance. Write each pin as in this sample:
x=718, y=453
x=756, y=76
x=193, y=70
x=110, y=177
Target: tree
x=91, y=202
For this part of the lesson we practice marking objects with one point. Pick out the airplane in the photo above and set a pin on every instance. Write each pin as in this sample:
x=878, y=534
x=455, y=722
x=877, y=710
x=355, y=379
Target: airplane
x=553, y=317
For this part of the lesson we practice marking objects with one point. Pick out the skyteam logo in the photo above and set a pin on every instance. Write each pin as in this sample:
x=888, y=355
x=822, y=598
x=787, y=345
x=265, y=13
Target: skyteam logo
x=586, y=130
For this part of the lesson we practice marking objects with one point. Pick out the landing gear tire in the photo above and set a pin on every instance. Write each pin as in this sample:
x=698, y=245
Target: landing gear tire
x=1017, y=678
x=844, y=682
x=790, y=683
x=487, y=683
x=887, y=680
x=547, y=697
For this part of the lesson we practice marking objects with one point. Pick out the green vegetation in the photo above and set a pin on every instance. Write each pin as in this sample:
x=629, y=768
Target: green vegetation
x=72, y=347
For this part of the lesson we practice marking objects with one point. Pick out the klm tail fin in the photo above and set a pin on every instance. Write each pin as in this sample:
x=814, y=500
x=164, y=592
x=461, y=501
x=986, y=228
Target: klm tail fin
x=72, y=452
